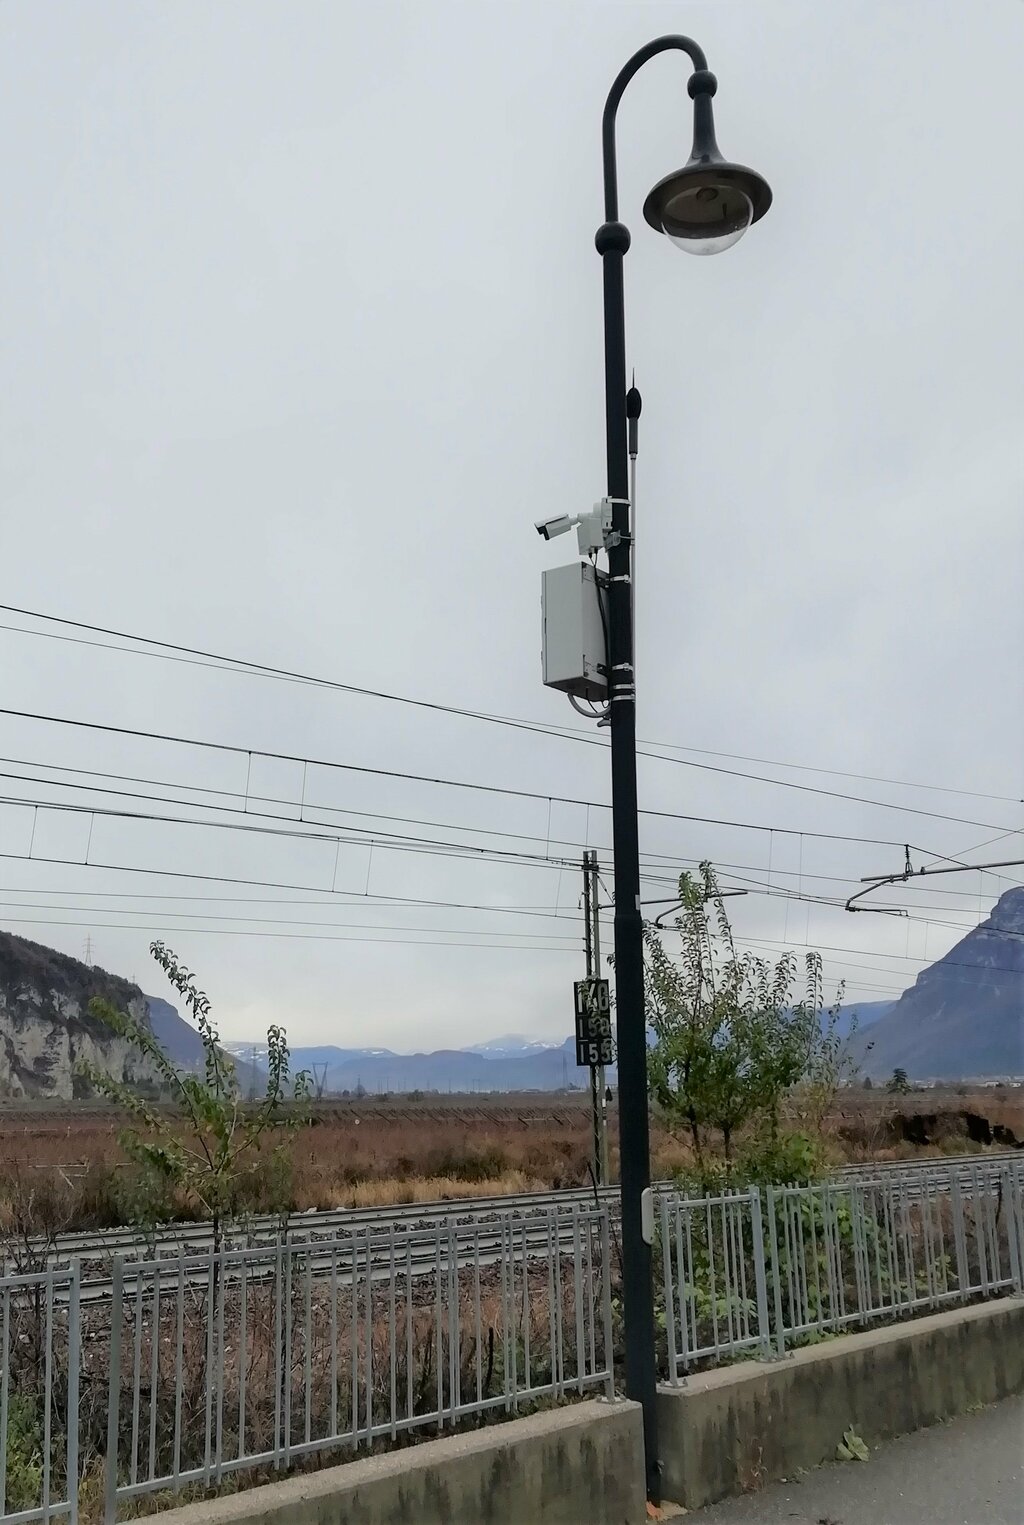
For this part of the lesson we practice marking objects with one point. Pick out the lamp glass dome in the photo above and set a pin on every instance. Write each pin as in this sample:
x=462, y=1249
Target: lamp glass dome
x=705, y=219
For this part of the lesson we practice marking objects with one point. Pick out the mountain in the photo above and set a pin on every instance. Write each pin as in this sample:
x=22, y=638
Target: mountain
x=182, y=1044
x=46, y=1028
x=509, y=1046
x=550, y=1069
x=253, y=1056
x=963, y=1018
x=867, y=1013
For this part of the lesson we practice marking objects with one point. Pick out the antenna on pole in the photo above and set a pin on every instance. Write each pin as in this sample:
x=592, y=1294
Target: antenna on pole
x=634, y=403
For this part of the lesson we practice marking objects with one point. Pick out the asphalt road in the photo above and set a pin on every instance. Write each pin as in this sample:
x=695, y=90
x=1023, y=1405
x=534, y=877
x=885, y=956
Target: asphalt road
x=967, y=1472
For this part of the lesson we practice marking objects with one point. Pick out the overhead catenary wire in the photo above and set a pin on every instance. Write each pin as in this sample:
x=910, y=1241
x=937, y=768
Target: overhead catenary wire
x=469, y=784
x=386, y=841
x=407, y=942
x=173, y=651
x=242, y=664
x=304, y=817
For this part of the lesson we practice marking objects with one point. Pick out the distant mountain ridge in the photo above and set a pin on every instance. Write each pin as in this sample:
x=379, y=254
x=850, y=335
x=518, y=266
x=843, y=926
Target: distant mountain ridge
x=963, y=1018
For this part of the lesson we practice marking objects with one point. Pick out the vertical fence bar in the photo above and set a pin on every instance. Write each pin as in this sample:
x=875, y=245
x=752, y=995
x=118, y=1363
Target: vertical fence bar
x=287, y=1343
x=209, y=1314
x=113, y=1391
x=222, y=1275
x=478, y=1329
x=392, y=1329
x=687, y=1287
x=438, y=1317
x=454, y=1345
x=74, y=1367
x=727, y=1275
x=551, y=1233
x=709, y=1228
x=577, y=1288
x=133, y=1472
x=5, y=1382
x=280, y=1250
x=591, y=1305
x=606, y=1302
x=307, y=1344
x=243, y=1346
x=369, y=1335
x=773, y=1249
x=670, y=1303
x=526, y=1307
x=1012, y=1230
x=760, y=1281
x=409, y=1347
x=154, y=1371
x=48, y=1397
x=353, y=1261
x=559, y=1309
x=741, y=1255
x=334, y=1341
x=179, y=1359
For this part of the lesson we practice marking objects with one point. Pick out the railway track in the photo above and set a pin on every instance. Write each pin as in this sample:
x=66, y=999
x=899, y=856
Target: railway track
x=266, y=1231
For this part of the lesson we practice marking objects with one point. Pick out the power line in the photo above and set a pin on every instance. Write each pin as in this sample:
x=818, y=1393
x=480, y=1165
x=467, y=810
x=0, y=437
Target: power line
x=284, y=921
x=305, y=818
x=198, y=656
x=386, y=841
x=405, y=942
x=420, y=778
x=903, y=958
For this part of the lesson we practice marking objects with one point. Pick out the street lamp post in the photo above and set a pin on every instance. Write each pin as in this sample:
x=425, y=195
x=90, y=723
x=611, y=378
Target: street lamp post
x=703, y=207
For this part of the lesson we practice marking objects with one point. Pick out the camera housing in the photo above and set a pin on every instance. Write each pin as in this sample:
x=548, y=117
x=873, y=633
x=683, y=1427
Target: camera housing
x=549, y=528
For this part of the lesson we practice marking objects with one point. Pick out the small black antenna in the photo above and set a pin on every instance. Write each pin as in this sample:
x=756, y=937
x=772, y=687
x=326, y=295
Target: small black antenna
x=634, y=402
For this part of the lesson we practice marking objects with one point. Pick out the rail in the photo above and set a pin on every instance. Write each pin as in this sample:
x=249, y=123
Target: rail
x=268, y=1228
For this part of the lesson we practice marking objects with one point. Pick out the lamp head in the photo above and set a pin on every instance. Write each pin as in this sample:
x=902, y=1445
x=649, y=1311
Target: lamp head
x=709, y=204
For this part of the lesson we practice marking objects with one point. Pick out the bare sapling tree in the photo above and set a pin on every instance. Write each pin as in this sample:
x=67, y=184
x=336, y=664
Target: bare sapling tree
x=210, y=1147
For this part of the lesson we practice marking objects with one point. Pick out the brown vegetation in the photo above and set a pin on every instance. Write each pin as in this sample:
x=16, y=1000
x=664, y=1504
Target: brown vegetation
x=63, y=1170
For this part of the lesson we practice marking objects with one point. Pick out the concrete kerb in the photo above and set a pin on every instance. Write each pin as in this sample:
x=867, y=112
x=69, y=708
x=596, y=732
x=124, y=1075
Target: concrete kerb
x=735, y=1428
x=584, y=1462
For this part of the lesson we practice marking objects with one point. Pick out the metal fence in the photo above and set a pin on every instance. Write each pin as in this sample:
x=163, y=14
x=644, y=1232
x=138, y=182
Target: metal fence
x=754, y=1273
x=174, y=1372
x=181, y=1370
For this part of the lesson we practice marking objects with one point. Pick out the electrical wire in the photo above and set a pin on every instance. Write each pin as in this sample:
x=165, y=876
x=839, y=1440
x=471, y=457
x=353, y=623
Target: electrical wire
x=393, y=773
x=166, y=650
x=404, y=942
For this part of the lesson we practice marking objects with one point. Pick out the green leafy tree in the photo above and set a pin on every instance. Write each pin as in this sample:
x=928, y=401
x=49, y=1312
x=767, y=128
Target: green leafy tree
x=899, y=1084
x=214, y=1144
x=730, y=1042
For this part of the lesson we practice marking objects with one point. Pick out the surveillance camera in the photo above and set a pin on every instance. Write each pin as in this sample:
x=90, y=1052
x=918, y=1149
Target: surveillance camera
x=549, y=528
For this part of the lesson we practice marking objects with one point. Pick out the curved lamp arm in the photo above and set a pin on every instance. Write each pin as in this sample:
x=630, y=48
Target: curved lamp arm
x=611, y=106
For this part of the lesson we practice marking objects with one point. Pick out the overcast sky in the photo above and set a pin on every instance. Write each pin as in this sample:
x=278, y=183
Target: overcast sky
x=300, y=331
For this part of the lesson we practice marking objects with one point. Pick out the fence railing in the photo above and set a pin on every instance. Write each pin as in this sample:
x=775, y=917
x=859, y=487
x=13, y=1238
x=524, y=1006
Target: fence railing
x=756, y=1272
x=174, y=1372
x=181, y=1370
x=40, y=1367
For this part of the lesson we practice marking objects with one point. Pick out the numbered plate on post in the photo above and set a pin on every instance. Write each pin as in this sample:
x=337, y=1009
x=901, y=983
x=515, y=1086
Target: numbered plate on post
x=593, y=1023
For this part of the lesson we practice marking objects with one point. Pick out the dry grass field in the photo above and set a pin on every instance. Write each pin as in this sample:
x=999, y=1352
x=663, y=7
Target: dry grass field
x=62, y=1167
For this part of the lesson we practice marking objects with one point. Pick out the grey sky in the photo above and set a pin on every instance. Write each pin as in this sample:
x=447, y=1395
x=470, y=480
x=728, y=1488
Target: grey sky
x=300, y=331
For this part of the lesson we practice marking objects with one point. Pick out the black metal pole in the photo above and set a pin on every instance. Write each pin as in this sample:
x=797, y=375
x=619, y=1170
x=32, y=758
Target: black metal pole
x=630, y=1020
x=630, y=1016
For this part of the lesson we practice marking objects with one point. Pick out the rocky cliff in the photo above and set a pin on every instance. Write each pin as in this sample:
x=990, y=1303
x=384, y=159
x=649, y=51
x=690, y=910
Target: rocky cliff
x=46, y=1028
x=963, y=1018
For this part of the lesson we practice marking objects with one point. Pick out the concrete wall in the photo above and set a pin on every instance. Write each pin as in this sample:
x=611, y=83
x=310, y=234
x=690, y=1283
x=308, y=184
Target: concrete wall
x=731, y=1430
x=583, y=1463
